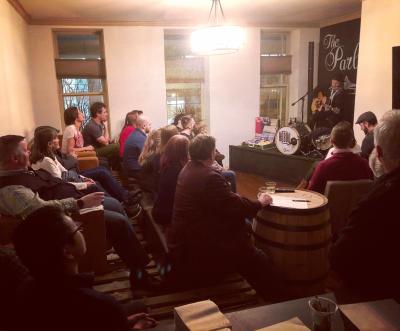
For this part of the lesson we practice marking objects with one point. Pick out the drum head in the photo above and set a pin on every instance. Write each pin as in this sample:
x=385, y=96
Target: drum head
x=323, y=142
x=288, y=140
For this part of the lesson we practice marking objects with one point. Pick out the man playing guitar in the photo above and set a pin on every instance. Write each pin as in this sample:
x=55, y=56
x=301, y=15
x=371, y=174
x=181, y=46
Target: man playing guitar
x=330, y=110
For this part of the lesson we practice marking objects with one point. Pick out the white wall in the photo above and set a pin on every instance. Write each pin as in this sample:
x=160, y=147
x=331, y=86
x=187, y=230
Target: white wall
x=380, y=31
x=135, y=73
x=298, y=81
x=16, y=114
x=234, y=83
x=134, y=59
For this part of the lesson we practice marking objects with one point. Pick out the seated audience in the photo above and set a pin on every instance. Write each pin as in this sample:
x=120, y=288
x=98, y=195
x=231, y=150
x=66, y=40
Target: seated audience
x=50, y=244
x=367, y=122
x=95, y=134
x=23, y=191
x=134, y=146
x=149, y=173
x=208, y=234
x=128, y=128
x=367, y=249
x=173, y=159
x=44, y=155
x=344, y=164
x=72, y=138
x=188, y=124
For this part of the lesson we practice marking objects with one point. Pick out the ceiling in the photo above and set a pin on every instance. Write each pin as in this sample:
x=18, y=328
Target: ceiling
x=190, y=12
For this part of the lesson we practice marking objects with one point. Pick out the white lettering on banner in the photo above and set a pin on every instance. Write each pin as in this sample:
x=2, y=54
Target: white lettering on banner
x=335, y=57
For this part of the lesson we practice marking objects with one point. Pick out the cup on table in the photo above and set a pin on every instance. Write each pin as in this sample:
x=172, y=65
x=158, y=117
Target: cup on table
x=271, y=186
x=322, y=312
x=262, y=189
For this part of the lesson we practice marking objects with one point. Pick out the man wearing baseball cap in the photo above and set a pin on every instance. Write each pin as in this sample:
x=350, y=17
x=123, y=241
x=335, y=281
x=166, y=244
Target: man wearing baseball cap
x=367, y=122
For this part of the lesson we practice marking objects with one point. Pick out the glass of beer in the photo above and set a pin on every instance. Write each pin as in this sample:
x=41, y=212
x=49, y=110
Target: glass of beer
x=270, y=186
x=322, y=312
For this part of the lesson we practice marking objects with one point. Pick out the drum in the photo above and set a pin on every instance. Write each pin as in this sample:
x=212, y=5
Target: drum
x=293, y=139
x=297, y=239
x=321, y=138
x=322, y=142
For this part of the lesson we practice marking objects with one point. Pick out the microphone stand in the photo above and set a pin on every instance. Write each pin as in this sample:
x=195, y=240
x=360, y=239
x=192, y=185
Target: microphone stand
x=302, y=103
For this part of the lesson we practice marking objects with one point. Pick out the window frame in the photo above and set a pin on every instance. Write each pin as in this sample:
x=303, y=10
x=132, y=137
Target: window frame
x=285, y=42
x=61, y=94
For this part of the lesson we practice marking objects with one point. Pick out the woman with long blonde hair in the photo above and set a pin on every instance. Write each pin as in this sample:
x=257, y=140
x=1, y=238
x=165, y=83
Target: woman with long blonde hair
x=149, y=172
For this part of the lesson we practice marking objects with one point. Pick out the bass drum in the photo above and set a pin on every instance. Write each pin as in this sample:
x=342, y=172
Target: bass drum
x=293, y=139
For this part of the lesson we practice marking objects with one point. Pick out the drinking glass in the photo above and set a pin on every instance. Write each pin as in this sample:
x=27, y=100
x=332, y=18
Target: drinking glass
x=322, y=313
x=271, y=186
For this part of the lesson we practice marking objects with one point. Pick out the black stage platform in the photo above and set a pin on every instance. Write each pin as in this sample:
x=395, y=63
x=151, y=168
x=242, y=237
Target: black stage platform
x=270, y=163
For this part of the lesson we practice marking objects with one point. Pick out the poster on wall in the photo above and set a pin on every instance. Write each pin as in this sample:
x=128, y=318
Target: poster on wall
x=338, y=55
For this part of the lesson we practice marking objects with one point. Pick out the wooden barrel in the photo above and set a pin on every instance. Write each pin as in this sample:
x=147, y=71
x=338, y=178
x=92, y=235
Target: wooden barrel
x=297, y=240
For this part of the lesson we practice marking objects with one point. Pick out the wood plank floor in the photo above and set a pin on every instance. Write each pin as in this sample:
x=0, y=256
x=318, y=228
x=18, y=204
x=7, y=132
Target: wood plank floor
x=230, y=294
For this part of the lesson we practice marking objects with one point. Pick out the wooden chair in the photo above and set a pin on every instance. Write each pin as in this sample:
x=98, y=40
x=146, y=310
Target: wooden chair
x=94, y=232
x=343, y=196
x=86, y=159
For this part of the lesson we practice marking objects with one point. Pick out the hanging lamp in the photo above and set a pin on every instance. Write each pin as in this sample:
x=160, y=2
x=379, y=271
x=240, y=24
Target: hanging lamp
x=216, y=38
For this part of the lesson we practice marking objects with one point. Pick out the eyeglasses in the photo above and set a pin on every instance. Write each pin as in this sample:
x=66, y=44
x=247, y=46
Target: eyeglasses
x=79, y=228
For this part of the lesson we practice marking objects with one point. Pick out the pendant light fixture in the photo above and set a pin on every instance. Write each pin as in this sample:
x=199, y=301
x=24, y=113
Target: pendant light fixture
x=216, y=38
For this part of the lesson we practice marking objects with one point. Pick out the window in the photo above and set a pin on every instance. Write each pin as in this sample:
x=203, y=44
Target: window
x=184, y=77
x=274, y=71
x=80, y=69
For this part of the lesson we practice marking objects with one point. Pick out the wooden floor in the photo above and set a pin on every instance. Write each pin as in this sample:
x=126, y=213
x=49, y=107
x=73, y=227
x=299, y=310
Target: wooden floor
x=230, y=294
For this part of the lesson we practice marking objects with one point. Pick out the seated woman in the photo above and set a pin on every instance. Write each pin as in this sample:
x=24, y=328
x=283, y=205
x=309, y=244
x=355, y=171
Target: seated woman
x=44, y=148
x=72, y=137
x=173, y=159
x=149, y=173
x=127, y=129
x=43, y=157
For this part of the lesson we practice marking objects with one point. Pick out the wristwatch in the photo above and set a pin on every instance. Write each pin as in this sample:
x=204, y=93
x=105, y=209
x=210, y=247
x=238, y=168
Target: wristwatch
x=80, y=203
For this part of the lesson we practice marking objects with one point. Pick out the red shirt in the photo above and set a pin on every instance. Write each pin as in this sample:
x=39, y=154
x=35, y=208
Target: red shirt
x=341, y=166
x=122, y=138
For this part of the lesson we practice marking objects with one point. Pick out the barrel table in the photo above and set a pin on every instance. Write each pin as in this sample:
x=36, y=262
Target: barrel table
x=296, y=234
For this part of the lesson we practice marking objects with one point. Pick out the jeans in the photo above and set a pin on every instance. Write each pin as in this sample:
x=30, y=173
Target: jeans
x=122, y=237
x=107, y=181
x=111, y=152
x=230, y=177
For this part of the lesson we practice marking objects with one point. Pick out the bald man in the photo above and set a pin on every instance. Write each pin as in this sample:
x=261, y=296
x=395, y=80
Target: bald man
x=134, y=146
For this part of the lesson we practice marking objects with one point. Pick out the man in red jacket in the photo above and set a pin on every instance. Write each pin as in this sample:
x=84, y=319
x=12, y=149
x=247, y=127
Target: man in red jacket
x=344, y=164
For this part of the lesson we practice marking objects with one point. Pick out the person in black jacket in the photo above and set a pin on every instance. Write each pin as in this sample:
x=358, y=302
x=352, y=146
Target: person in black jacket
x=335, y=108
x=209, y=235
x=367, y=122
x=50, y=244
x=367, y=250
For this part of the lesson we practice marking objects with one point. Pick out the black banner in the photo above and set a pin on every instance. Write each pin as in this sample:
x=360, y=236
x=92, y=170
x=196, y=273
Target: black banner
x=338, y=54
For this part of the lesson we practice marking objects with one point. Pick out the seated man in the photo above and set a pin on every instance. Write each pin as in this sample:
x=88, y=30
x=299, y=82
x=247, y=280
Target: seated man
x=343, y=164
x=95, y=133
x=367, y=249
x=50, y=244
x=208, y=235
x=367, y=122
x=23, y=191
x=134, y=146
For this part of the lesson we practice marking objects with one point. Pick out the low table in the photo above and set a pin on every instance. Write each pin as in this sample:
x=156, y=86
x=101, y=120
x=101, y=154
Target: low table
x=260, y=317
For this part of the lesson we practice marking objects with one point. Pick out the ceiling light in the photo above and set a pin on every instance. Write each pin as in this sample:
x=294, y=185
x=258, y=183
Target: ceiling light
x=216, y=38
